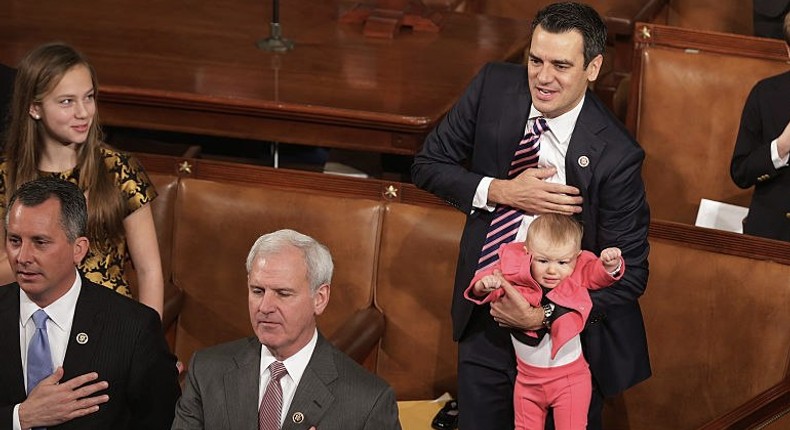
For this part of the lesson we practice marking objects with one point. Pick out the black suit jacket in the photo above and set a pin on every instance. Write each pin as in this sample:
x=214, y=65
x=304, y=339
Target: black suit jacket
x=7, y=76
x=478, y=137
x=771, y=8
x=126, y=346
x=765, y=115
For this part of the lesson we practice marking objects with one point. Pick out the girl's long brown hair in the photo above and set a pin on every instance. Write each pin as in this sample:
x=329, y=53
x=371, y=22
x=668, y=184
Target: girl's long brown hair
x=38, y=74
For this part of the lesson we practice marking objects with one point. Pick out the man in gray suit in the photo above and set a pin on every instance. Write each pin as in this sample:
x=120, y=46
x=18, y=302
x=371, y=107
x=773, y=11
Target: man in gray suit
x=234, y=385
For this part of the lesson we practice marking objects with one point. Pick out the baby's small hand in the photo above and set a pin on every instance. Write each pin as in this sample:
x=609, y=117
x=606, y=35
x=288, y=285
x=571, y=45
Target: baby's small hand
x=487, y=284
x=610, y=257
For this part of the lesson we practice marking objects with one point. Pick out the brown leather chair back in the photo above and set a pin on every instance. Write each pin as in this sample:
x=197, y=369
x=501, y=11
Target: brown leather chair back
x=717, y=327
x=712, y=15
x=419, y=251
x=217, y=225
x=687, y=95
x=162, y=210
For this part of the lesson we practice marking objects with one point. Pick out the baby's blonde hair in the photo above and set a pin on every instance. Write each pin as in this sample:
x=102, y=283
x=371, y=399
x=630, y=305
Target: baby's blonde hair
x=556, y=229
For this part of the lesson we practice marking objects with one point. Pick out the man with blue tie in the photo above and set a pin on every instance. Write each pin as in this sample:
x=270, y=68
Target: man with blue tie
x=73, y=354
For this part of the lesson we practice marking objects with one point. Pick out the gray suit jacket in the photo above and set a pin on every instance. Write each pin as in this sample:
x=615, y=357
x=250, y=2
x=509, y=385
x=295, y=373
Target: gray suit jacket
x=221, y=392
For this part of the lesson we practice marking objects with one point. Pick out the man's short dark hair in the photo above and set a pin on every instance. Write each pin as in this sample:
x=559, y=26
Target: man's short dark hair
x=73, y=208
x=569, y=16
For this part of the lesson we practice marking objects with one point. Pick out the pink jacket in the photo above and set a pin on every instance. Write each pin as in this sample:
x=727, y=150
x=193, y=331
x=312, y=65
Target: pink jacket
x=589, y=274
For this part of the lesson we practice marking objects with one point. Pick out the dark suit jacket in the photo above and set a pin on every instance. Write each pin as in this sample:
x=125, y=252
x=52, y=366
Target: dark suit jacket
x=765, y=115
x=126, y=346
x=221, y=392
x=7, y=76
x=771, y=8
x=768, y=18
x=478, y=138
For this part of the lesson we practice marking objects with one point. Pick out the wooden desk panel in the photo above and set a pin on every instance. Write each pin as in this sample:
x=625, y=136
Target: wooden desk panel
x=192, y=66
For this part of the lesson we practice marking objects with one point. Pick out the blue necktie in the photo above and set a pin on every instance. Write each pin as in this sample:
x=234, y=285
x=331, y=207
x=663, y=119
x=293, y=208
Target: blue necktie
x=39, y=356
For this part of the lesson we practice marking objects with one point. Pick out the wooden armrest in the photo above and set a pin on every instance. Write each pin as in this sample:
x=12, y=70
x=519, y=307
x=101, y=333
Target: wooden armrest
x=761, y=410
x=171, y=309
x=360, y=334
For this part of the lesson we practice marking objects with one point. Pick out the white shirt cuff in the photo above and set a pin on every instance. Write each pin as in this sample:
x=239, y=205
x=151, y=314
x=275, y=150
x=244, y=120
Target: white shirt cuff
x=17, y=424
x=480, y=201
x=778, y=162
x=616, y=272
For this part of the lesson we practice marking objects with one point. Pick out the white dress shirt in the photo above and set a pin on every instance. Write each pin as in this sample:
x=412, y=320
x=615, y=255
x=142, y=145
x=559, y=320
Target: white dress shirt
x=61, y=316
x=295, y=365
x=778, y=161
x=553, y=148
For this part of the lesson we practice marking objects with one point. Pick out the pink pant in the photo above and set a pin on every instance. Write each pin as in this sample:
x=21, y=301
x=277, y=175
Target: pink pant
x=567, y=389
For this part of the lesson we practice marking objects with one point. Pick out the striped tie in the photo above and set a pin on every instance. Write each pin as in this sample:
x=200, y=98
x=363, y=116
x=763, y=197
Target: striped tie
x=272, y=403
x=507, y=220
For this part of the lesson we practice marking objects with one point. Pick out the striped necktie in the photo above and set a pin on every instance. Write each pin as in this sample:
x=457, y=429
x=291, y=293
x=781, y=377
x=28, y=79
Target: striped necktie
x=272, y=402
x=507, y=220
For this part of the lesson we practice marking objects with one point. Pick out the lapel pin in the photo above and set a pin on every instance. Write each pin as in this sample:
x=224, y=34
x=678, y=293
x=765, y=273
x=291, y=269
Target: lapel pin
x=584, y=161
x=82, y=338
x=297, y=417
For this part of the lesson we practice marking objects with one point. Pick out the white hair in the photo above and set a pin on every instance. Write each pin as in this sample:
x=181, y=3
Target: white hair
x=316, y=256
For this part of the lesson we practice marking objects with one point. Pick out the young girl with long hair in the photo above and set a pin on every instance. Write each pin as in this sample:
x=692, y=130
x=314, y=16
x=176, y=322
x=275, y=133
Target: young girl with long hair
x=54, y=130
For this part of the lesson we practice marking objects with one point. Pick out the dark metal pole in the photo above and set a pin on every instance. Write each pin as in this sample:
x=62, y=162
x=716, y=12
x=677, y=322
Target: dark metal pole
x=275, y=42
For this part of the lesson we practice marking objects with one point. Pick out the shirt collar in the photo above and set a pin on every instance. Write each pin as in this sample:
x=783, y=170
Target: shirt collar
x=61, y=311
x=295, y=364
x=563, y=125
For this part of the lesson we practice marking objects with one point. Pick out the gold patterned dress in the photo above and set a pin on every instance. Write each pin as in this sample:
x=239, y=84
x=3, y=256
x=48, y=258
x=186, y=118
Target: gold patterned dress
x=133, y=183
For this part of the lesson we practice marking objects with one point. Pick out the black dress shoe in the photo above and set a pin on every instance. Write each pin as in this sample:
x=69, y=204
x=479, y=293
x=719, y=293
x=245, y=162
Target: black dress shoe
x=447, y=417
